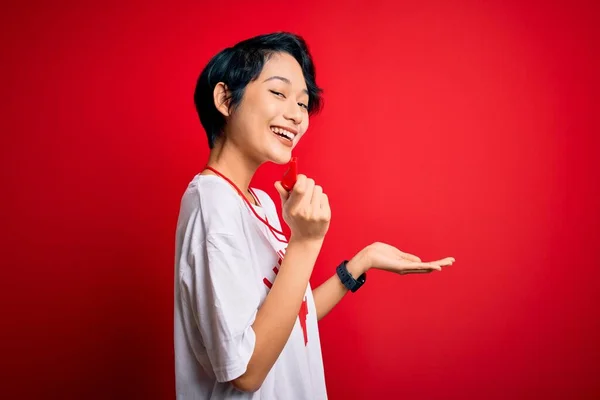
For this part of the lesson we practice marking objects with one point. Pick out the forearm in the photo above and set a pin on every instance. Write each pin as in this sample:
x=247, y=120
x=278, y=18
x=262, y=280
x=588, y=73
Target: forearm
x=330, y=292
x=277, y=315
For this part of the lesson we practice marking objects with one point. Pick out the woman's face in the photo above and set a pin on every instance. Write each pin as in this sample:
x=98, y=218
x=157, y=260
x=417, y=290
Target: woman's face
x=273, y=113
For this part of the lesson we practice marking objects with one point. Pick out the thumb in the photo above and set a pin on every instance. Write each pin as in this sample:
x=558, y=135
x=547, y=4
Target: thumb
x=284, y=194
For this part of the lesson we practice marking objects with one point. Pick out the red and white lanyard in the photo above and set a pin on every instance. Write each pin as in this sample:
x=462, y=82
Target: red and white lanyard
x=274, y=231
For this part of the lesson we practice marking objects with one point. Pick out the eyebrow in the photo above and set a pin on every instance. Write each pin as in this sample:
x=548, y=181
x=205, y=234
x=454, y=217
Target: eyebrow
x=281, y=78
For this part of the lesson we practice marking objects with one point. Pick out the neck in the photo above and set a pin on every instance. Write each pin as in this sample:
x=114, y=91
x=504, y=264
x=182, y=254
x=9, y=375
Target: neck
x=230, y=161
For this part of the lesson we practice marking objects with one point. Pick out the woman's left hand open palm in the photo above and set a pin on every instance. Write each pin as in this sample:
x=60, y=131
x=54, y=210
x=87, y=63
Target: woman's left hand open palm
x=388, y=258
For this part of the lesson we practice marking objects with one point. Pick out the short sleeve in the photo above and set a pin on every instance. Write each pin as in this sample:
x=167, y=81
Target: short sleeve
x=218, y=283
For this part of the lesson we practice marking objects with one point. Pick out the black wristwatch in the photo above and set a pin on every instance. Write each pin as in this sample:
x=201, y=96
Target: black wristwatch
x=348, y=280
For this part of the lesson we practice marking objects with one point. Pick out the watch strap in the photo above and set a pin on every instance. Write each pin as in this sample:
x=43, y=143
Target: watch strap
x=348, y=280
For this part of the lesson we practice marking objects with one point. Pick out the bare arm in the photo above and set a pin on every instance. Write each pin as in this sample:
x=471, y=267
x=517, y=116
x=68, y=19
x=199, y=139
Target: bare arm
x=375, y=256
x=330, y=292
x=306, y=210
x=276, y=317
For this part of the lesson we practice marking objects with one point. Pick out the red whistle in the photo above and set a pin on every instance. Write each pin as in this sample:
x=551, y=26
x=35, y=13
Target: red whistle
x=289, y=178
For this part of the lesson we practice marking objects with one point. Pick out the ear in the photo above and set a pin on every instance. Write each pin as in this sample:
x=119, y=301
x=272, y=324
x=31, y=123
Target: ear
x=220, y=97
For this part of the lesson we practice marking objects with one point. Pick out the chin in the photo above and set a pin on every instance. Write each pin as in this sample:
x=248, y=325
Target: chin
x=281, y=157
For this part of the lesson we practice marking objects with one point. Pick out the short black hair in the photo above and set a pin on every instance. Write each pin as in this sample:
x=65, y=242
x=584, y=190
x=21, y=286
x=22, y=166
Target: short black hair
x=239, y=65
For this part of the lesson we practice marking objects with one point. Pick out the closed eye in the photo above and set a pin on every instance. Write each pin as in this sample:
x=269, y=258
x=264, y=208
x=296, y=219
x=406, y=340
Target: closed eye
x=277, y=93
x=281, y=95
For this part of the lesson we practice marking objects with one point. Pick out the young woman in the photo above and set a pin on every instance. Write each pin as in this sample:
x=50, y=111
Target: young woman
x=245, y=314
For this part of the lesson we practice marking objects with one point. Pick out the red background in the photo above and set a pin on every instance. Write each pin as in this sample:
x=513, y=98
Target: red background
x=450, y=129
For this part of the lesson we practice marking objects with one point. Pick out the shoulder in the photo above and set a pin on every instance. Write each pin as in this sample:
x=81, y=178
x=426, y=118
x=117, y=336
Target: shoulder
x=218, y=205
x=210, y=193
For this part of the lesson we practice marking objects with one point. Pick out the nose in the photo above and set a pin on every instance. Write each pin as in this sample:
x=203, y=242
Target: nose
x=293, y=113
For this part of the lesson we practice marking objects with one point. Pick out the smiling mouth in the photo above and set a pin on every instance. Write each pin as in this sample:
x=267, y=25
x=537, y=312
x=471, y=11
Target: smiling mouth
x=283, y=133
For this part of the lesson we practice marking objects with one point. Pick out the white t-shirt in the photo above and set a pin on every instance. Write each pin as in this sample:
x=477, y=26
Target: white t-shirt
x=225, y=263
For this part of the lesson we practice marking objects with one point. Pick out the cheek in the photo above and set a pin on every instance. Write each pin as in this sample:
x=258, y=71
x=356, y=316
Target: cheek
x=259, y=107
x=269, y=107
x=304, y=125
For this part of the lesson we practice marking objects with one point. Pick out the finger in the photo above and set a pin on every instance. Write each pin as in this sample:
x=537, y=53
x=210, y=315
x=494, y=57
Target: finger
x=316, y=201
x=298, y=191
x=444, y=261
x=284, y=194
x=403, y=265
x=324, y=201
x=316, y=197
x=423, y=265
x=325, y=209
x=308, y=192
x=416, y=271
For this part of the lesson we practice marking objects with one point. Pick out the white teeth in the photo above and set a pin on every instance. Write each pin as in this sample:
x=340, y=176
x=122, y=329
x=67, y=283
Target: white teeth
x=283, y=132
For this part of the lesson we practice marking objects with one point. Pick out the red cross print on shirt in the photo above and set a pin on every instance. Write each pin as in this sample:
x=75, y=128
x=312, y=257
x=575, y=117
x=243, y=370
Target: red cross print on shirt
x=302, y=316
x=303, y=312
